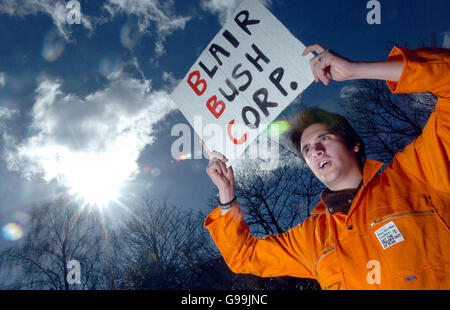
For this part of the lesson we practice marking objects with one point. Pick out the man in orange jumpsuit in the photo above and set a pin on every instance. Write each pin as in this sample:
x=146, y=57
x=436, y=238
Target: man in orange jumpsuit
x=371, y=230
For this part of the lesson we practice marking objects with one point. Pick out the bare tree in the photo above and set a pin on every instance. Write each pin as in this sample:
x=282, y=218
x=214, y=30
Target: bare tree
x=386, y=122
x=112, y=263
x=275, y=200
x=58, y=232
x=164, y=245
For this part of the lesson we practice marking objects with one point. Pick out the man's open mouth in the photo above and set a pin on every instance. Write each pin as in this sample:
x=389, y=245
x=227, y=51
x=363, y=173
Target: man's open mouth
x=324, y=164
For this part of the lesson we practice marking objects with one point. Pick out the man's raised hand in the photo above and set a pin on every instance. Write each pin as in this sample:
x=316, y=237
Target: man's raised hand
x=219, y=174
x=327, y=65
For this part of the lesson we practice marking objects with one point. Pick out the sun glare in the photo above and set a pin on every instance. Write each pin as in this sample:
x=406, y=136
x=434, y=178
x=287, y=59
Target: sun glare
x=94, y=178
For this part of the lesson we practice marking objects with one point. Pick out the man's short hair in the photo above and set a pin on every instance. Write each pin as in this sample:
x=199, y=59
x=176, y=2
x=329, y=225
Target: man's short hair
x=336, y=122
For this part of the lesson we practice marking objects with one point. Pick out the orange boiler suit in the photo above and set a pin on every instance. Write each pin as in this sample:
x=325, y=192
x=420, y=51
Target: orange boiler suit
x=398, y=222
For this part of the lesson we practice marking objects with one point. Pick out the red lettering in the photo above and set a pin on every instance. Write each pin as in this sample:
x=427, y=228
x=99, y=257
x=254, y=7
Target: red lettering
x=234, y=140
x=198, y=82
x=213, y=104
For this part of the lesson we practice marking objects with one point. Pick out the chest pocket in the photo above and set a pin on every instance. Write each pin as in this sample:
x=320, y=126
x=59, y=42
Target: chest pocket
x=422, y=243
x=328, y=270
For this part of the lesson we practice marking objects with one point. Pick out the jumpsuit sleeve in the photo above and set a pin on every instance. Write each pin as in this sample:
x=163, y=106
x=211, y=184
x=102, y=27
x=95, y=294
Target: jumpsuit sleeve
x=427, y=157
x=271, y=256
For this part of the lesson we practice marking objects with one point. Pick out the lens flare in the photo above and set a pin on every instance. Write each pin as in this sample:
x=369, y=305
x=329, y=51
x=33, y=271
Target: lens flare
x=21, y=217
x=184, y=157
x=130, y=35
x=2, y=79
x=53, y=45
x=110, y=66
x=12, y=232
x=152, y=257
x=155, y=172
x=277, y=128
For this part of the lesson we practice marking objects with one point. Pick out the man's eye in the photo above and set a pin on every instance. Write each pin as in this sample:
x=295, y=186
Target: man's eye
x=324, y=139
x=307, y=150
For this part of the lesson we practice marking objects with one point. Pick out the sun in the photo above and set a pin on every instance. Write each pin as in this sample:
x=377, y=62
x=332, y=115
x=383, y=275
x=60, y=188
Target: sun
x=94, y=178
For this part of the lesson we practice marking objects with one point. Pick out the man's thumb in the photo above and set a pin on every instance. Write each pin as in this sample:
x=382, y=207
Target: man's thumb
x=230, y=172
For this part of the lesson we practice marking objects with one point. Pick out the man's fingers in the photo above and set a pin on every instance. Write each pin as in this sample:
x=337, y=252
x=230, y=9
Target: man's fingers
x=315, y=47
x=214, y=154
x=315, y=63
x=213, y=168
x=223, y=167
x=219, y=156
x=208, y=152
x=319, y=66
x=230, y=173
x=321, y=70
x=318, y=63
x=313, y=70
x=218, y=166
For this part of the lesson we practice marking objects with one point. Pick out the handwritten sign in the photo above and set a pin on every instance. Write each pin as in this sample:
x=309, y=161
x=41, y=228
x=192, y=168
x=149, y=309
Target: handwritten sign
x=243, y=80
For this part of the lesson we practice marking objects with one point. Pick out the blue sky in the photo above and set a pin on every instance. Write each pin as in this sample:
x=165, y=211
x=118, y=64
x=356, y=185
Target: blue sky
x=83, y=100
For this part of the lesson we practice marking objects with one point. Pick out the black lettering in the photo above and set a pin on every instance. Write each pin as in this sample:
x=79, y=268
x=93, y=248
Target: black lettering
x=260, y=55
x=262, y=103
x=245, y=22
x=275, y=77
x=237, y=75
x=230, y=37
x=210, y=73
x=255, y=114
x=234, y=91
x=214, y=49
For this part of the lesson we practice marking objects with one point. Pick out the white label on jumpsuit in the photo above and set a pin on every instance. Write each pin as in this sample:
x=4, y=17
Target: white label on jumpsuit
x=389, y=235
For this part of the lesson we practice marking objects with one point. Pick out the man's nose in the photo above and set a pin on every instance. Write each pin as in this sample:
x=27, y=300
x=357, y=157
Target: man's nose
x=318, y=150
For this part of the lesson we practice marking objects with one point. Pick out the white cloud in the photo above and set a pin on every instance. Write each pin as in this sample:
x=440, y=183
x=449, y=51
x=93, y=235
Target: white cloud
x=151, y=13
x=6, y=113
x=2, y=79
x=170, y=80
x=106, y=130
x=155, y=16
x=224, y=8
x=55, y=8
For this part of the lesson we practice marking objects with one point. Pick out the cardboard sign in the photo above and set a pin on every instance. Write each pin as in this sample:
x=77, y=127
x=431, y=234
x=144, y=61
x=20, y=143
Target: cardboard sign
x=243, y=80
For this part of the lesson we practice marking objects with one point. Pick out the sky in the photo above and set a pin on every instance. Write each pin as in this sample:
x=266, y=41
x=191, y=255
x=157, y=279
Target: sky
x=85, y=108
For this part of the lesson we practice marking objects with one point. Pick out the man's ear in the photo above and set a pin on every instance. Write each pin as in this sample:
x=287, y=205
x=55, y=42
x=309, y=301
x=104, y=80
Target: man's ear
x=356, y=147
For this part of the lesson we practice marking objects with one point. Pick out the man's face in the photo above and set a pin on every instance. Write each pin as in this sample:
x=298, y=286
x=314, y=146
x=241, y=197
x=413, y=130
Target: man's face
x=329, y=158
